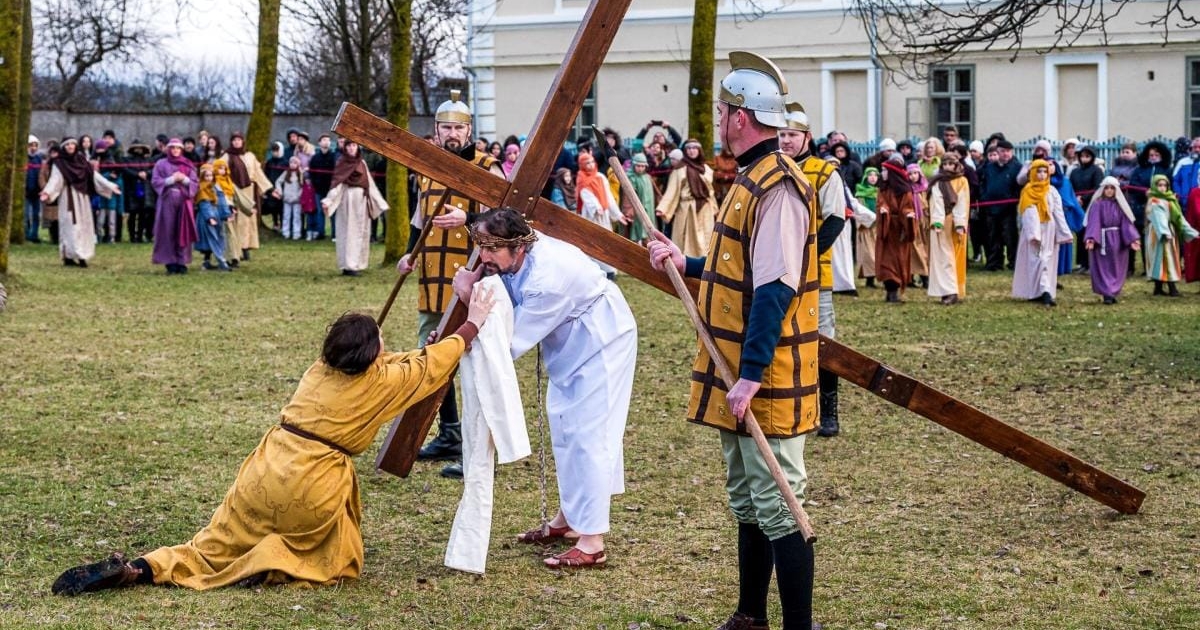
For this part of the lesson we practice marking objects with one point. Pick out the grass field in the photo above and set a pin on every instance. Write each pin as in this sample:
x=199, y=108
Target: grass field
x=129, y=398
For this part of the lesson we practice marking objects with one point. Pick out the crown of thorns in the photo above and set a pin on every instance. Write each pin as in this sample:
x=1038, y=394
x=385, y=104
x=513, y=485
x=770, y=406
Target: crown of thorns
x=483, y=239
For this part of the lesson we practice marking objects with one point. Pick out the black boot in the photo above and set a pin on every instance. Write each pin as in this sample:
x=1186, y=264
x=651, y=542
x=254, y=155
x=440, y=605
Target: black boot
x=112, y=572
x=246, y=255
x=794, y=573
x=1158, y=290
x=1172, y=290
x=924, y=282
x=829, y=404
x=756, y=559
x=446, y=445
x=870, y=282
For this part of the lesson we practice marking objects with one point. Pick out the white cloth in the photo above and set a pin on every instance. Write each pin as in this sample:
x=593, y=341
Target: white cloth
x=843, y=260
x=589, y=342
x=1036, y=270
x=493, y=424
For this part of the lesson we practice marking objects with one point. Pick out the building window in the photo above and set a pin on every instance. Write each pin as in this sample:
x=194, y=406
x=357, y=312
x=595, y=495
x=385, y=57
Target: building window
x=1193, y=96
x=587, y=115
x=952, y=100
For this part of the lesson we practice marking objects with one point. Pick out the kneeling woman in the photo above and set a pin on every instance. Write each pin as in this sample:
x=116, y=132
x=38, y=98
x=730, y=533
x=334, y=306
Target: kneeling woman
x=293, y=512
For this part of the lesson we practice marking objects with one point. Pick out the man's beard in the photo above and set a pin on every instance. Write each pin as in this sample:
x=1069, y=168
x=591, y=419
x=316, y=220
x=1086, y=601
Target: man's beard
x=452, y=145
x=491, y=269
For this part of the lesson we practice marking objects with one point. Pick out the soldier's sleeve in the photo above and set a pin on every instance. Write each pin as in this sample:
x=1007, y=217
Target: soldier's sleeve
x=780, y=232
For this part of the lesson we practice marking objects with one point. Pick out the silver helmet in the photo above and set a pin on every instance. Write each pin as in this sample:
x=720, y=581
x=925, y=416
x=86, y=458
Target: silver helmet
x=453, y=110
x=797, y=119
x=756, y=83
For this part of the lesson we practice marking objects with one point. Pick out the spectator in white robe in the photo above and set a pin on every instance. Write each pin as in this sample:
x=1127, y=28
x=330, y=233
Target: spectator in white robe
x=949, y=205
x=71, y=173
x=1043, y=227
x=588, y=336
x=353, y=201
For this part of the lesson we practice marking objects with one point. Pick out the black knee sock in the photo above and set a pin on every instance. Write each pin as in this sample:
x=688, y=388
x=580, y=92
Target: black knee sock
x=146, y=576
x=448, y=412
x=891, y=285
x=794, y=573
x=755, y=561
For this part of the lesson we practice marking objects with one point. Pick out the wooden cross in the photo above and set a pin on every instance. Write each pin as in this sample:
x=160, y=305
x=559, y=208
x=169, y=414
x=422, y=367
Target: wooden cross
x=562, y=105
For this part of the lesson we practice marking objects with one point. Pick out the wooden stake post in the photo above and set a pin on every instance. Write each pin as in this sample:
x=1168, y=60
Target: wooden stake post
x=532, y=170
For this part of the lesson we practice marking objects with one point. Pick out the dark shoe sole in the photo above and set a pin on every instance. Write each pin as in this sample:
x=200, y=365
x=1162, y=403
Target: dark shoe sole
x=92, y=577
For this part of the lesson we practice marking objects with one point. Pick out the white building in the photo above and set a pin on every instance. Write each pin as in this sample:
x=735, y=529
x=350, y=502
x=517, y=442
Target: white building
x=1135, y=87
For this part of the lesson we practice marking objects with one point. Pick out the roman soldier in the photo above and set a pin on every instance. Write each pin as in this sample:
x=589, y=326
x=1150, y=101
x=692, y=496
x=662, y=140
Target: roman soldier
x=447, y=248
x=795, y=141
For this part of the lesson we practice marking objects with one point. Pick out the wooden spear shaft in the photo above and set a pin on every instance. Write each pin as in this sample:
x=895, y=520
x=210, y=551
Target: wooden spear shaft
x=723, y=369
x=417, y=250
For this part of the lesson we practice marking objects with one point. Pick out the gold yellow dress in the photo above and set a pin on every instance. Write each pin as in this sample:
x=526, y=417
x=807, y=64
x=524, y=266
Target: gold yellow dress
x=293, y=512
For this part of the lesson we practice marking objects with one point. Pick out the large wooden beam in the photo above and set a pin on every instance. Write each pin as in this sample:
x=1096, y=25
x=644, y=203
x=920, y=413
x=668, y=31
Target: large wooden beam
x=405, y=438
x=492, y=190
x=977, y=426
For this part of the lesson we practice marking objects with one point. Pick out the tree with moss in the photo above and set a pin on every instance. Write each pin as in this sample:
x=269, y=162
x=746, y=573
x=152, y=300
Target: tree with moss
x=399, y=97
x=700, y=72
x=12, y=41
x=23, y=121
x=258, y=132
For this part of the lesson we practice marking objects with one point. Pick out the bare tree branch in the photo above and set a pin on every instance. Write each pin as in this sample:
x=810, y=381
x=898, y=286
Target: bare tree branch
x=913, y=35
x=74, y=37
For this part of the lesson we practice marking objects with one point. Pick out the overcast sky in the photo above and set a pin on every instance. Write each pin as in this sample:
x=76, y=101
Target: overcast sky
x=222, y=31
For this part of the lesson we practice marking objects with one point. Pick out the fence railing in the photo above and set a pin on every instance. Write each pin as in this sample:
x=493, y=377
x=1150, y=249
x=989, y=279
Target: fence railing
x=1107, y=150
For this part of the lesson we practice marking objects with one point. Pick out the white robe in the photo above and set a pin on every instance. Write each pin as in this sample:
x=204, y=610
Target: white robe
x=943, y=257
x=348, y=207
x=601, y=214
x=843, y=260
x=493, y=425
x=1036, y=270
x=562, y=300
x=77, y=235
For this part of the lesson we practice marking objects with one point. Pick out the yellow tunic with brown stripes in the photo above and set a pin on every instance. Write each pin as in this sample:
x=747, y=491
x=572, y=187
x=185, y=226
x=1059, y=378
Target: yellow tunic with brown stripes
x=786, y=404
x=818, y=171
x=445, y=250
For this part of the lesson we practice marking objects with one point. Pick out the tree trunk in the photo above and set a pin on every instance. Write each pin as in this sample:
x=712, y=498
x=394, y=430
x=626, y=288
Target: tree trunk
x=23, y=116
x=258, y=133
x=700, y=73
x=399, y=92
x=11, y=24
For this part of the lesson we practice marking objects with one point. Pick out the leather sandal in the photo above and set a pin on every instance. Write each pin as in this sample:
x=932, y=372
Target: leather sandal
x=576, y=558
x=546, y=535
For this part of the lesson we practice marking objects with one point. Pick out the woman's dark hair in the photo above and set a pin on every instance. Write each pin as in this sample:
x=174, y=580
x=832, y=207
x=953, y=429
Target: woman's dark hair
x=352, y=344
x=505, y=223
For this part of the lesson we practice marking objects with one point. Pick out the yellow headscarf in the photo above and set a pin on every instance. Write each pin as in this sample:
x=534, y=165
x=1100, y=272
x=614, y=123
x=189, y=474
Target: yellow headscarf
x=206, y=191
x=221, y=169
x=1034, y=193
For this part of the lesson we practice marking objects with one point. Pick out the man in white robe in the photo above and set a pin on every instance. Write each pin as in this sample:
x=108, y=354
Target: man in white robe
x=562, y=300
x=1042, y=228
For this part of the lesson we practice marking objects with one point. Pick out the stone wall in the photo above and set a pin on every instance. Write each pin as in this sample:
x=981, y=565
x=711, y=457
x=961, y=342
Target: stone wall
x=52, y=124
